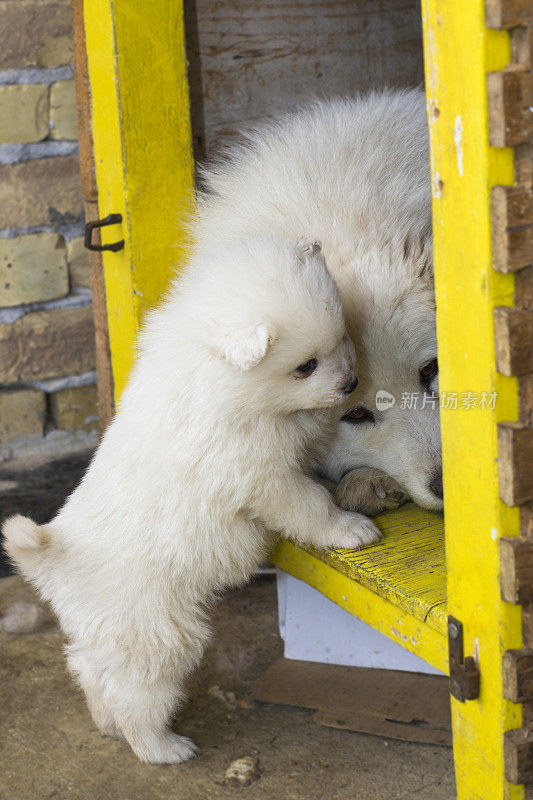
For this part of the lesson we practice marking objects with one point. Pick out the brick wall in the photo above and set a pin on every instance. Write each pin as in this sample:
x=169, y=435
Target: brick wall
x=47, y=377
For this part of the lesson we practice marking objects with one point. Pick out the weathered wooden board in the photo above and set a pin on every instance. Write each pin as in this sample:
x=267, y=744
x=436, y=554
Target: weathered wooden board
x=518, y=754
x=522, y=42
x=515, y=463
x=507, y=13
x=518, y=675
x=512, y=228
x=83, y=104
x=513, y=340
x=106, y=402
x=524, y=288
x=516, y=570
x=510, y=100
x=252, y=60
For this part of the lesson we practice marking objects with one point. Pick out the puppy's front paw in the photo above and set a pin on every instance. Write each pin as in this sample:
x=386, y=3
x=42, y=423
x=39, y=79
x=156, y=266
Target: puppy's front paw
x=354, y=531
x=369, y=491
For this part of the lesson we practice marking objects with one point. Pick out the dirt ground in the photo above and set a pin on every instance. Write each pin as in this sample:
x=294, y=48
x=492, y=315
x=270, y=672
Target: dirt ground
x=51, y=748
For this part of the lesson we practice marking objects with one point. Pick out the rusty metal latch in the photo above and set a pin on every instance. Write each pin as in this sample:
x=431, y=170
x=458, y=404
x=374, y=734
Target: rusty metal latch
x=111, y=219
x=464, y=673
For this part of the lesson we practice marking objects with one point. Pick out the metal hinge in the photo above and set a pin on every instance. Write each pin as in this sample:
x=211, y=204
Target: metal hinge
x=111, y=219
x=464, y=673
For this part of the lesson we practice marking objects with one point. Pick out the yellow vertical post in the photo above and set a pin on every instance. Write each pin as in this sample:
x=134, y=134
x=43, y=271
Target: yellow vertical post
x=459, y=51
x=143, y=155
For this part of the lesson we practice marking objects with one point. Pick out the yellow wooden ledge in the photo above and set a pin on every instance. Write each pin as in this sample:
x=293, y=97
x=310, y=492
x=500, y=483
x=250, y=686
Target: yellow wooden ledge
x=397, y=586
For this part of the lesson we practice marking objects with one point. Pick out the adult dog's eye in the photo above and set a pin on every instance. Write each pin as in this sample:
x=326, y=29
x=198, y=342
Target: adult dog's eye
x=428, y=372
x=304, y=370
x=358, y=415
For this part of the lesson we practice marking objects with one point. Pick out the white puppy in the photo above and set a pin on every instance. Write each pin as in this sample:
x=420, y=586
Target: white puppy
x=355, y=174
x=210, y=452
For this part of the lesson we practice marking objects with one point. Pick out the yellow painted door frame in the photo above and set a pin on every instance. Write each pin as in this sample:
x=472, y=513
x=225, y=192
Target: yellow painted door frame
x=459, y=51
x=143, y=155
x=144, y=169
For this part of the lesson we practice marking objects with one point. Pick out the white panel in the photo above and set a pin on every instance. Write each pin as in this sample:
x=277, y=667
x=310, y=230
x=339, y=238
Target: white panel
x=315, y=629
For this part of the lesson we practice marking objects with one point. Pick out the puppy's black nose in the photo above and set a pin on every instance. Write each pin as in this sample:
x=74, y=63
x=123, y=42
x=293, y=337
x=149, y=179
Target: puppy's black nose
x=348, y=389
x=435, y=484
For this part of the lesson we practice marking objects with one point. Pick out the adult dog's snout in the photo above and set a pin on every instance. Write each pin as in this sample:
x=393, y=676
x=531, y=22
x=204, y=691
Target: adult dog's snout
x=435, y=484
x=351, y=384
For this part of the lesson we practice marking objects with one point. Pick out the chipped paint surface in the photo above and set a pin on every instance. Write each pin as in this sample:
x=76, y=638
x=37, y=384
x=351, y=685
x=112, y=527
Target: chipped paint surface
x=400, y=635
x=458, y=140
x=437, y=185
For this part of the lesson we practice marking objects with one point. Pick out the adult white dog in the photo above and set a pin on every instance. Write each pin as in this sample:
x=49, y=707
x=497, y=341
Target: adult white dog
x=355, y=174
x=210, y=451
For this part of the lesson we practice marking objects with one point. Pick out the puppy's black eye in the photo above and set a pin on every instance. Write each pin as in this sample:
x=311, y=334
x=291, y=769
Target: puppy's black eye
x=358, y=415
x=428, y=372
x=304, y=370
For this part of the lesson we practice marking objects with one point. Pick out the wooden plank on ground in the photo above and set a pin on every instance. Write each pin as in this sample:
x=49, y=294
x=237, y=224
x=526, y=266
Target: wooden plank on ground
x=402, y=705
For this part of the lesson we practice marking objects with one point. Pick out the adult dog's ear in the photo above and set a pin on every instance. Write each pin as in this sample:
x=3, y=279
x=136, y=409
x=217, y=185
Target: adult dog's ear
x=244, y=348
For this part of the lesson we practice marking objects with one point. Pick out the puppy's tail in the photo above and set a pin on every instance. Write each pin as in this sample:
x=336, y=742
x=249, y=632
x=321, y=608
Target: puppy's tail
x=26, y=543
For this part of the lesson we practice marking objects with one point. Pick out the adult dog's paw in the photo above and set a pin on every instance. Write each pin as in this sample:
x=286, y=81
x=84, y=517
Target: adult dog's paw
x=369, y=491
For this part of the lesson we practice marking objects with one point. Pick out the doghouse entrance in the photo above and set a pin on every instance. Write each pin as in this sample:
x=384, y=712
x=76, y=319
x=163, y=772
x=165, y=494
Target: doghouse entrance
x=479, y=112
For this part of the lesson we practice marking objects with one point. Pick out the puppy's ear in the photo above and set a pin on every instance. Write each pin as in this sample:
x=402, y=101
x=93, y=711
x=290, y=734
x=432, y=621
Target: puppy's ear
x=244, y=348
x=306, y=249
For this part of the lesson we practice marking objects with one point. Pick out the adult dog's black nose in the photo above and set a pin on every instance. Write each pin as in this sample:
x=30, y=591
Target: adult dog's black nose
x=435, y=484
x=348, y=389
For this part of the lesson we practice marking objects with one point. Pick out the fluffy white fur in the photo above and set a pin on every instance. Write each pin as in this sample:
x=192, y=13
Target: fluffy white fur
x=210, y=452
x=355, y=174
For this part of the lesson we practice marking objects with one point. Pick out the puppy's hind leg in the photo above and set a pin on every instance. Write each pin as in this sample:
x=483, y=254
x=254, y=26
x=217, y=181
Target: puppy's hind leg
x=143, y=711
x=91, y=680
x=148, y=686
